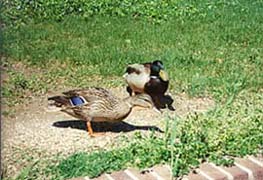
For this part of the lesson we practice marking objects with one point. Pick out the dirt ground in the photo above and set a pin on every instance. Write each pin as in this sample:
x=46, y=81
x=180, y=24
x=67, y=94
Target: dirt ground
x=33, y=127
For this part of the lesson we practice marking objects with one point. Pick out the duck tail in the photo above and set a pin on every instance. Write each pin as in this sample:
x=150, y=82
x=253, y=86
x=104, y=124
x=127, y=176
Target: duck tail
x=59, y=100
x=56, y=103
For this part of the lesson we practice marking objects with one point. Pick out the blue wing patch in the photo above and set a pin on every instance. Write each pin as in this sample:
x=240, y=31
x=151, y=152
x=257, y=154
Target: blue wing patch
x=77, y=101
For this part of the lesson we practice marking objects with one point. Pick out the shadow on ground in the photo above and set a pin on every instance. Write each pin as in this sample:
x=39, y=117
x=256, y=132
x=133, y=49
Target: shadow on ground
x=104, y=126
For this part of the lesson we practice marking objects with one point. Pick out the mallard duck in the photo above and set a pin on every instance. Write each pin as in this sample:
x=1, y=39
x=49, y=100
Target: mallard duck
x=146, y=77
x=97, y=105
x=150, y=78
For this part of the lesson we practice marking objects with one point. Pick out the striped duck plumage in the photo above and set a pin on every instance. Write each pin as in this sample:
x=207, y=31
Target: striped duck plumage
x=97, y=105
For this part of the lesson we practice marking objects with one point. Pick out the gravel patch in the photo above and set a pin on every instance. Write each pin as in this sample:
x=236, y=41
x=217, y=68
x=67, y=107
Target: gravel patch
x=51, y=133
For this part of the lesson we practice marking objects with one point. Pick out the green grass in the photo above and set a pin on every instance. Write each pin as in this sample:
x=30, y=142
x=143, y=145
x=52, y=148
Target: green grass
x=218, y=55
x=217, y=136
x=217, y=52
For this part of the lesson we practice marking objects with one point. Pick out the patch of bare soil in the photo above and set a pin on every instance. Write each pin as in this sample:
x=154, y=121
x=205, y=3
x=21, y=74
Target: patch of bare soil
x=55, y=132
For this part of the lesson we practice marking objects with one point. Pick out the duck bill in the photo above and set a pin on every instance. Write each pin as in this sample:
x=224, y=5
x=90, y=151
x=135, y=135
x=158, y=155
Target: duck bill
x=163, y=75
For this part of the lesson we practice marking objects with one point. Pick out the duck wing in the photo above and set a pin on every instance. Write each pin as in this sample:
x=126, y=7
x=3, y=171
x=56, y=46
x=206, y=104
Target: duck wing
x=98, y=103
x=59, y=101
x=83, y=96
x=91, y=94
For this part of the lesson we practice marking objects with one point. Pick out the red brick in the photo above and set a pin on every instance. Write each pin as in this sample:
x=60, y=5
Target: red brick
x=212, y=172
x=193, y=176
x=120, y=175
x=256, y=169
x=142, y=176
x=260, y=156
x=236, y=172
x=163, y=171
x=257, y=159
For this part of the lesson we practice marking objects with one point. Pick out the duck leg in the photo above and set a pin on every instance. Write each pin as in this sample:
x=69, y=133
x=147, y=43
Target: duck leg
x=157, y=99
x=129, y=90
x=89, y=128
x=169, y=102
x=91, y=132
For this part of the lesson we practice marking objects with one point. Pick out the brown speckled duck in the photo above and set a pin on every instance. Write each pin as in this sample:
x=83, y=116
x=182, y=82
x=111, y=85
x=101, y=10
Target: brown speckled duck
x=97, y=105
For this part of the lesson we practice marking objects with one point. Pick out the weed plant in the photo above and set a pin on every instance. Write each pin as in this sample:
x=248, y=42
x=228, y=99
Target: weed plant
x=217, y=136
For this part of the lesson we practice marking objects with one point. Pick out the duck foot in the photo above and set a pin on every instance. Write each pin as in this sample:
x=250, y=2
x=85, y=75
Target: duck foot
x=140, y=108
x=169, y=102
x=91, y=132
x=158, y=110
x=97, y=134
x=171, y=108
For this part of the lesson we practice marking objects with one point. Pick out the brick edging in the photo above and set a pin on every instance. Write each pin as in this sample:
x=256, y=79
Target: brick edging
x=249, y=168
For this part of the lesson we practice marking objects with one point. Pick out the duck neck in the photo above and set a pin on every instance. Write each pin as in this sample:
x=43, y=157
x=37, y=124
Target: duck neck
x=123, y=109
x=137, y=100
x=128, y=102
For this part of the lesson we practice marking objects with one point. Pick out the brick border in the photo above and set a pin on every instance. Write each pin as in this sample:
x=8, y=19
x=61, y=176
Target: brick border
x=249, y=168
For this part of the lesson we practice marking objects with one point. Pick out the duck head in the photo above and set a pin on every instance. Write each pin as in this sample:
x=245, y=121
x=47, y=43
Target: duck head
x=142, y=100
x=157, y=69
